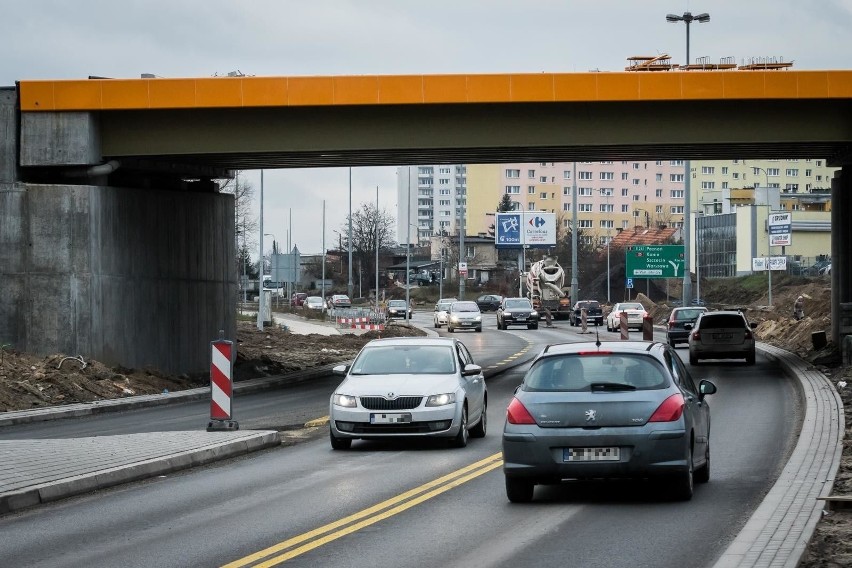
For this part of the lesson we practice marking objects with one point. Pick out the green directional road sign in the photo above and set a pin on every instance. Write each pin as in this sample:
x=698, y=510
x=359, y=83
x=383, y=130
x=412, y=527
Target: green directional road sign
x=655, y=261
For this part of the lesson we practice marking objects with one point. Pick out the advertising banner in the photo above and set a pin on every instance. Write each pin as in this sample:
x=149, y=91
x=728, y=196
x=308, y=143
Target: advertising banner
x=525, y=229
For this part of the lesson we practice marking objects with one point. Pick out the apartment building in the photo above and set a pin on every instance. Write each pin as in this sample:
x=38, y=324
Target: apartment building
x=432, y=198
x=611, y=195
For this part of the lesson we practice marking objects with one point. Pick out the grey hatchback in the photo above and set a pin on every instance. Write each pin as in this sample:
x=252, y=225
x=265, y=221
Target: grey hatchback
x=619, y=409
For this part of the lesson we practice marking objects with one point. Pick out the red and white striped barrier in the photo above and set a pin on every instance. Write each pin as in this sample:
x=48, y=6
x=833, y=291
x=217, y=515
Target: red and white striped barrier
x=359, y=323
x=221, y=386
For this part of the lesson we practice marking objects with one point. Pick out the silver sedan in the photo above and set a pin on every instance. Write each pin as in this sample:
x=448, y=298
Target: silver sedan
x=409, y=387
x=626, y=409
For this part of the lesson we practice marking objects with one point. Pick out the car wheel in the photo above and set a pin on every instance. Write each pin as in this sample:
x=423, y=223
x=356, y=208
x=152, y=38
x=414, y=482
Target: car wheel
x=479, y=430
x=683, y=483
x=460, y=440
x=519, y=490
x=339, y=443
x=479, y=329
x=673, y=343
x=750, y=358
x=702, y=474
x=436, y=324
x=693, y=360
x=450, y=328
x=533, y=326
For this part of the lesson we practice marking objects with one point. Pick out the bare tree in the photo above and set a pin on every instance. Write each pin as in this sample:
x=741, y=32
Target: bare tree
x=243, y=192
x=367, y=222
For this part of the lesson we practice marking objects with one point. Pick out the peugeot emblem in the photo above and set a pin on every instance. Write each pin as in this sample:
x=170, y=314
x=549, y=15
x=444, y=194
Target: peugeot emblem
x=590, y=415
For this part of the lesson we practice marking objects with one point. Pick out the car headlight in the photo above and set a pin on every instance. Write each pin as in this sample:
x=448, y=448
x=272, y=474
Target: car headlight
x=344, y=400
x=478, y=318
x=454, y=318
x=533, y=313
x=507, y=314
x=441, y=399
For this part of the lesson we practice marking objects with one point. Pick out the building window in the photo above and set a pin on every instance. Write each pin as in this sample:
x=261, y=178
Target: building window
x=566, y=174
x=542, y=179
x=676, y=194
x=607, y=175
x=607, y=191
x=584, y=207
x=513, y=189
x=606, y=207
x=724, y=185
x=635, y=198
x=625, y=208
x=584, y=191
x=708, y=170
x=530, y=173
x=658, y=209
x=445, y=192
x=513, y=173
x=635, y=165
x=677, y=210
x=624, y=175
x=624, y=192
x=530, y=189
x=566, y=191
x=676, y=163
x=659, y=177
x=792, y=172
x=444, y=202
x=725, y=171
x=542, y=195
x=566, y=207
x=585, y=175
x=808, y=173
x=635, y=181
x=531, y=206
x=607, y=224
x=819, y=163
x=771, y=172
x=586, y=239
x=736, y=175
x=676, y=177
x=708, y=185
x=658, y=193
x=584, y=223
x=794, y=187
x=819, y=178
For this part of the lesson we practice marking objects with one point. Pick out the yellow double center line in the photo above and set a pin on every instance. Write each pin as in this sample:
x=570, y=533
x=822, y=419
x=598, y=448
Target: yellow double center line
x=308, y=541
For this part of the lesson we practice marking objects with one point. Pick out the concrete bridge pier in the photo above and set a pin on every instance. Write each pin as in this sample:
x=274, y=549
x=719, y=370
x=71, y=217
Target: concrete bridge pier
x=841, y=247
x=128, y=276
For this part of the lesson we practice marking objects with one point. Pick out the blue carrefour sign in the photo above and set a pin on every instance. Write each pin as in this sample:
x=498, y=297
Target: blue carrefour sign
x=531, y=229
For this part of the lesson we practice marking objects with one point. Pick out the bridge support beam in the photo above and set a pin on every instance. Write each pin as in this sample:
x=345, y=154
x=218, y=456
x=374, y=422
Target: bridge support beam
x=841, y=248
x=129, y=277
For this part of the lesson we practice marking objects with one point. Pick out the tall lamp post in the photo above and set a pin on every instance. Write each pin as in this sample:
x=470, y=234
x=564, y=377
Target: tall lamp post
x=408, y=250
x=274, y=265
x=768, y=236
x=607, y=195
x=687, y=18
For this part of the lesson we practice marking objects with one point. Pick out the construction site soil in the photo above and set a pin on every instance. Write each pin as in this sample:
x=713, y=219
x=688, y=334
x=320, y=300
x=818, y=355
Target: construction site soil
x=28, y=381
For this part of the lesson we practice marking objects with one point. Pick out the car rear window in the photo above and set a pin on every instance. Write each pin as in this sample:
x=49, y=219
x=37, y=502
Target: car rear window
x=681, y=315
x=722, y=321
x=631, y=306
x=578, y=373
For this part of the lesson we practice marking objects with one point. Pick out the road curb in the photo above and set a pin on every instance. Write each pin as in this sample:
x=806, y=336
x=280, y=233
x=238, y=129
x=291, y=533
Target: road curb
x=778, y=532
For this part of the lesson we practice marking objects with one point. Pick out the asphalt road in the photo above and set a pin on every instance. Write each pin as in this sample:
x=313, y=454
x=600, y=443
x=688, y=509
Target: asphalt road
x=412, y=504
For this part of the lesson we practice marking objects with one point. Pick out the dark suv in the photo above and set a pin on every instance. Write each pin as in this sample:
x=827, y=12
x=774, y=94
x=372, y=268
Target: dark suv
x=721, y=335
x=675, y=330
x=517, y=311
x=594, y=313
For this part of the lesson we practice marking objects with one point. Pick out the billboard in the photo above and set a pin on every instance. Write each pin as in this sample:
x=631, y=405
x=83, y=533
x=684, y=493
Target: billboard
x=780, y=229
x=654, y=261
x=525, y=229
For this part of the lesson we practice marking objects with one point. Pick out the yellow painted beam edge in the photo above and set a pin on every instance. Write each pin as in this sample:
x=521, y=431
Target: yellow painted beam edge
x=257, y=92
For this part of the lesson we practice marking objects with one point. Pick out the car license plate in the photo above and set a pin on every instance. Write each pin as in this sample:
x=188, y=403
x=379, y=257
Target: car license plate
x=521, y=318
x=399, y=418
x=723, y=336
x=590, y=454
x=465, y=323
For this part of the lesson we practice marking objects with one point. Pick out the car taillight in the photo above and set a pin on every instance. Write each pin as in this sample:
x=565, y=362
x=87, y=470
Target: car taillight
x=517, y=413
x=670, y=410
x=671, y=323
x=748, y=334
x=696, y=335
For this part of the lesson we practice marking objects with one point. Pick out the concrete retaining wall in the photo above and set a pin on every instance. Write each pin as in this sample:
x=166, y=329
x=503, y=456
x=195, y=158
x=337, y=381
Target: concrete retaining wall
x=131, y=277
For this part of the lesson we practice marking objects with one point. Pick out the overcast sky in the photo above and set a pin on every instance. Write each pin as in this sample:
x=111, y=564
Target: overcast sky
x=64, y=39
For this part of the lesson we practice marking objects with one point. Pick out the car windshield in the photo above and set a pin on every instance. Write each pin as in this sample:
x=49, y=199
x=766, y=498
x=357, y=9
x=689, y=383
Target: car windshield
x=588, y=373
x=716, y=321
x=691, y=315
x=465, y=307
x=396, y=304
x=632, y=306
x=444, y=306
x=408, y=360
x=518, y=304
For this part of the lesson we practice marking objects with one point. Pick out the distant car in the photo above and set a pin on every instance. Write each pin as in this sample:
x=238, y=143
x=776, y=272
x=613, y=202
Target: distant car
x=341, y=301
x=297, y=299
x=635, y=315
x=697, y=302
x=397, y=309
x=489, y=302
x=464, y=315
x=409, y=387
x=675, y=330
x=517, y=311
x=612, y=409
x=313, y=303
x=721, y=335
x=441, y=309
x=594, y=313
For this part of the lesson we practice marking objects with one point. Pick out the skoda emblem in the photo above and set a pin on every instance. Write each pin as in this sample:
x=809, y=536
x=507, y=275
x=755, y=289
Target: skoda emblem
x=391, y=396
x=590, y=415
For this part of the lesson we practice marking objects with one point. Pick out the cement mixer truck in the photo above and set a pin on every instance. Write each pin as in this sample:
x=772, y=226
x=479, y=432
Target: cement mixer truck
x=546, y=287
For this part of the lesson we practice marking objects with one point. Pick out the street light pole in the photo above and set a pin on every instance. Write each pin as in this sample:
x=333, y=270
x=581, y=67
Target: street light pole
x=687, y=18
x=768, y=236
x=349, y=285
x=408, y=250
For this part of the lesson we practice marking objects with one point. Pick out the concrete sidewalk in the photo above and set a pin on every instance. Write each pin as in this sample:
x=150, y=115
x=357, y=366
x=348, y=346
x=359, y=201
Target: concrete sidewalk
x=40, y=471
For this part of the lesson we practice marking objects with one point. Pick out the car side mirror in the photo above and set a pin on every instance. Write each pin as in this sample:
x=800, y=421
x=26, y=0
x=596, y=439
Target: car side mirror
x=688, y=326
x=340, y=370
x=753, y=325
x=471, y=369
x=705, y=387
